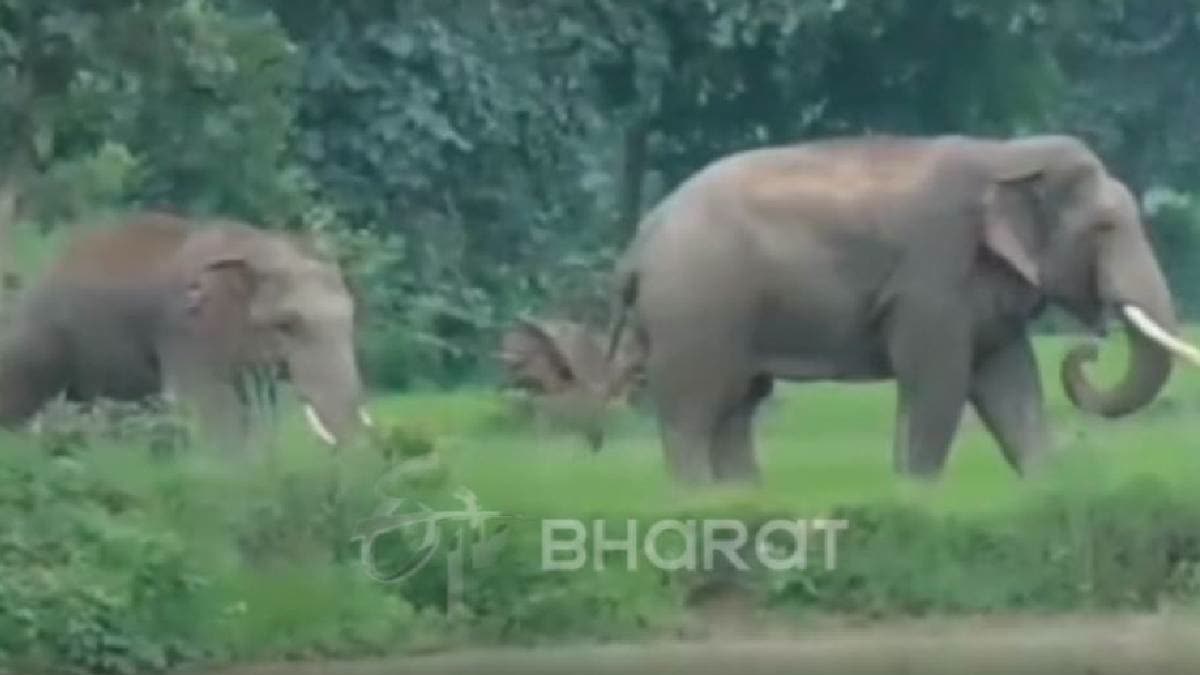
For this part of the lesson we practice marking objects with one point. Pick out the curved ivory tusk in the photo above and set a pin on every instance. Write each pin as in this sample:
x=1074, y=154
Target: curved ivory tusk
x=318, y=427
x=1155, y=332
x=365, y=418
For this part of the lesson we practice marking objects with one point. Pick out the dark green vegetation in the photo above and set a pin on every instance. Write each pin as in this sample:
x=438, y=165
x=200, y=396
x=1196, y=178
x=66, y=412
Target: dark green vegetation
x=116, y=556
x=473, y=158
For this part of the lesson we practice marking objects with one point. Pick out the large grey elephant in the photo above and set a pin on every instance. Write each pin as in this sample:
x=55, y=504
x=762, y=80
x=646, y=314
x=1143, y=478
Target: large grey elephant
x=197, y=311
x=918, y=259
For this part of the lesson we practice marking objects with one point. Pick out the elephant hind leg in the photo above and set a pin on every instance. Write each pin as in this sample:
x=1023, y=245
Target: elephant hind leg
x=690, y=410
x=733, y=455
x=33, y=371
x=706, y=422
x=686, y=442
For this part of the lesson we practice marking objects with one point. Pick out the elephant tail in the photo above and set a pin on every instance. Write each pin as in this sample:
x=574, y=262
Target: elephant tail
x=626, y=282
x=626, y=290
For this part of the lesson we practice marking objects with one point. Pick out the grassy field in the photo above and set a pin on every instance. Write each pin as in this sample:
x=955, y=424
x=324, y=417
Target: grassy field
x=821, y=445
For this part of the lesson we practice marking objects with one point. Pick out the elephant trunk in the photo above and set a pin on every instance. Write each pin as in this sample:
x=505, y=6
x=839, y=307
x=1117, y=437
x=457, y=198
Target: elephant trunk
x=1148, y=370
x=1135, y=286
x=332, y=395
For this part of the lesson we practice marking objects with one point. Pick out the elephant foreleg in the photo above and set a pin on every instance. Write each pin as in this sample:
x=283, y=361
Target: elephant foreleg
x=222, y=418
x=1006, y=392
x=931, y=357
x=215, y=403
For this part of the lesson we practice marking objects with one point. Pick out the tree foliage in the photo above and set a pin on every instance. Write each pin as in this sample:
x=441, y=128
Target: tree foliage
x=161, y=103
x=474, y=158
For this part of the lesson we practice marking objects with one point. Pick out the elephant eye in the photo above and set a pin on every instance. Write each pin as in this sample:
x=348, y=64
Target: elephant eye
x=288, y=324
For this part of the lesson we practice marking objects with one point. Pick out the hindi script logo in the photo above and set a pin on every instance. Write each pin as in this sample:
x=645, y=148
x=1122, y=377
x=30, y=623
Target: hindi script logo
x=422, y=533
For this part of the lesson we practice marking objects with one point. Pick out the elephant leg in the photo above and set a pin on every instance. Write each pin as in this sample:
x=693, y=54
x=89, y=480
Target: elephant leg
x=931, y=357
x=216, y=404
x=687, y=437
x=733, y=455
x=705, y=424
x=224, y=420
x=690, y=409
x=1006, y=392
x=33, y=371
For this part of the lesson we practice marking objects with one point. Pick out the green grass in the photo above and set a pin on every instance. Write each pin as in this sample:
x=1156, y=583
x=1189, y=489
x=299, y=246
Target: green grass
x=821, y=445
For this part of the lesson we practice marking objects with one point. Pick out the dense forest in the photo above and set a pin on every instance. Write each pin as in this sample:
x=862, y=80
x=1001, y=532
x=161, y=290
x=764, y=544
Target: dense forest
x=470, y=159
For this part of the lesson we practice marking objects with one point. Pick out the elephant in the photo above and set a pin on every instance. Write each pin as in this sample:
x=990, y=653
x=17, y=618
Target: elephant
x=204, y=312
x=915, y=259
x=562, y=365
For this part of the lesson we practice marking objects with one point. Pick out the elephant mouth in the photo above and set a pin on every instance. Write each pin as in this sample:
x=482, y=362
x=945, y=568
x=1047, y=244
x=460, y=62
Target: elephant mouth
x=1095, y=318
x=322, y=430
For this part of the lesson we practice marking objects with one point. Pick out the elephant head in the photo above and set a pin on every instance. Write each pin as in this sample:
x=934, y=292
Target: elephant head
x=564, y=365
x=1070, y=229
x=256, y=301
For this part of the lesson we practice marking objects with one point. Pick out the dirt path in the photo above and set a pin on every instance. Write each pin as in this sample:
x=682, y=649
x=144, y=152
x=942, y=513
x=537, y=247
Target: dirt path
x=1140, y=645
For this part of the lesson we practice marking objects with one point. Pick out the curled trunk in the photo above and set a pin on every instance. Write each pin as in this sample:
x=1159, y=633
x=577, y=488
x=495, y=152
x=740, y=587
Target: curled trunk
x=1147, y=372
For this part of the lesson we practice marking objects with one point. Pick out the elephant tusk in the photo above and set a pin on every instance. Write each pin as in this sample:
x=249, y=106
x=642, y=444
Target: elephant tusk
x=1157, y=333
x=318, y=427
x=365, y=418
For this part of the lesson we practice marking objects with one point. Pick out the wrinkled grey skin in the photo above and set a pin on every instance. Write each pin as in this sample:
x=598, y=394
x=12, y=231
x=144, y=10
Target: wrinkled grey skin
x=915, y=259
x=563, y=366
x=203, y=312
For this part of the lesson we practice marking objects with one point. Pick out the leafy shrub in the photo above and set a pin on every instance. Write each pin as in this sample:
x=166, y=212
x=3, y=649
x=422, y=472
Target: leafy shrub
x=113, y=562
x=1137, y=548
x=88, y=583
x=66, y=427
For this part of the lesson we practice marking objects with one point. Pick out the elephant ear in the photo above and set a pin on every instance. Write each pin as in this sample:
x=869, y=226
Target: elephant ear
x=534, y=358
x=1013, y=230
x=221, y=287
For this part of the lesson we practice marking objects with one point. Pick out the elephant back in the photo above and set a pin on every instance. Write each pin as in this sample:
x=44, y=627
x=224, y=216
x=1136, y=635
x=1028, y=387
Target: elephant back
x=130, y=254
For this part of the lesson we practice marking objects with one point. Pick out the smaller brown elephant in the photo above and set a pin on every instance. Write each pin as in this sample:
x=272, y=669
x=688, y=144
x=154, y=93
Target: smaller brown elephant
x=563, y=367
x=206, y=312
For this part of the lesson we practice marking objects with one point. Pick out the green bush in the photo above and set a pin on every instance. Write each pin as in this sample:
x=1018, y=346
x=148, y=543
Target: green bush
x=66, y=428
x=1136, y=548
x=114, y=559
x=88, y=581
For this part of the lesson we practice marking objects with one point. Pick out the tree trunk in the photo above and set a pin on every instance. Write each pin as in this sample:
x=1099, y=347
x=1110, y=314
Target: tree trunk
x=14, y=180
x=11, y=188
x=633, y=172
